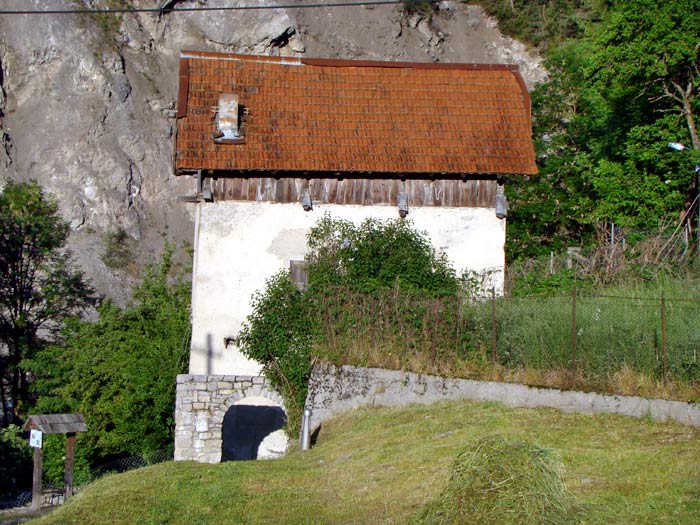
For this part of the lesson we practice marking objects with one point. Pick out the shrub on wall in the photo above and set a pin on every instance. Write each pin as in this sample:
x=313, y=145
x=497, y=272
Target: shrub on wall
x=377, y=255
x=371, y=288
x=279, y=334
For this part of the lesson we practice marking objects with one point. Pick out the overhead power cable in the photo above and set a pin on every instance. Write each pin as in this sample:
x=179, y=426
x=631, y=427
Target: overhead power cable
x=165, y=9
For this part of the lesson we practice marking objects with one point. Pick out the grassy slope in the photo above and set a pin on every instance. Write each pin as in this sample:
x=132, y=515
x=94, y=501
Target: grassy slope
x=381, y=465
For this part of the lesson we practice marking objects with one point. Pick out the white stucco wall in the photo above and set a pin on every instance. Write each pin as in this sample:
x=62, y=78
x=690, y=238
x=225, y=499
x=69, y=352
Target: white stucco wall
x=240, y=244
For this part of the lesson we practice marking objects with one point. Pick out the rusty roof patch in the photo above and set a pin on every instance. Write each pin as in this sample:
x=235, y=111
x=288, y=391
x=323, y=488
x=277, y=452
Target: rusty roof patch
x=362, y=117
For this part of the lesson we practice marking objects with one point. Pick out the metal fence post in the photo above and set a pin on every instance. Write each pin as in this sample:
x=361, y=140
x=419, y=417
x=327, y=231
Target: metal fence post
x=494, y=339
x=574, y=334
x=663, y=333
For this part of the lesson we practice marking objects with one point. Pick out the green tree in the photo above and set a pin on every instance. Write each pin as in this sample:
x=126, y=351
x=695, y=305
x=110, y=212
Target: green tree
x=39, y=288
x=643, y=81
x=377, y=255
x=552, y=208
x=284, y=331
x=120, y=370
x=617, y=94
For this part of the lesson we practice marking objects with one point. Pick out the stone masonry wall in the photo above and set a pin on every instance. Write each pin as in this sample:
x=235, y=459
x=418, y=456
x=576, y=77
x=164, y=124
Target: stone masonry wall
x=333, y=390
x=200, y=406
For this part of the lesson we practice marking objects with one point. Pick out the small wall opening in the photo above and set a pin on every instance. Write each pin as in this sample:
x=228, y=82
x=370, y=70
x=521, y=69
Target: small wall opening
x=252, y=429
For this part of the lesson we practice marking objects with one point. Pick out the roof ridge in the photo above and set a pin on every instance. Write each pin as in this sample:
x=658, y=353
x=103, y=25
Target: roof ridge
x=336, y=62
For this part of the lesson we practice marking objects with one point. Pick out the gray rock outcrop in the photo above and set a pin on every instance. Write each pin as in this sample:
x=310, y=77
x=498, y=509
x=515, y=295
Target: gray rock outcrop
x=87, y=101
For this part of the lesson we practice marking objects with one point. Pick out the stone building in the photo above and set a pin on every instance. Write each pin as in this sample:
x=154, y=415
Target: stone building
x=272, y=144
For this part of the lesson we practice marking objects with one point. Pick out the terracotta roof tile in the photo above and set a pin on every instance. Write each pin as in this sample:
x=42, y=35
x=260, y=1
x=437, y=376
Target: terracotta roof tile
x=351, y=116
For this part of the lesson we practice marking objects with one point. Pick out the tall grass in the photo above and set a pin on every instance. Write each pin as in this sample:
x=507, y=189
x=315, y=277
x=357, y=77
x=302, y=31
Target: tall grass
x=618, y=335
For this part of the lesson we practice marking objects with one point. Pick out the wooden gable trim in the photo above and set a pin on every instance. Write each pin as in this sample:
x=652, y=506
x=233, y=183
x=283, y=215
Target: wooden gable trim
x=470, y=192
x=183, y=88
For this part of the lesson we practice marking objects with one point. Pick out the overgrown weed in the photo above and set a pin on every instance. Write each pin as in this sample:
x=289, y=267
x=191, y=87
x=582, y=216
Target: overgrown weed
x=379, y=296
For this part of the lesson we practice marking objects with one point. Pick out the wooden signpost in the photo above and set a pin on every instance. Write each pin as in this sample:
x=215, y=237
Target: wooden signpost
x=68, y=424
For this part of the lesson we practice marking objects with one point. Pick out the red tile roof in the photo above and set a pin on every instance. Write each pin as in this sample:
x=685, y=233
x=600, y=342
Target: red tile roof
x=312, y=115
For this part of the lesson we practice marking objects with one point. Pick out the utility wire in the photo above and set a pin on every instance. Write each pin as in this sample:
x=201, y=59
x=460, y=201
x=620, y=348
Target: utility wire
x=165, y=9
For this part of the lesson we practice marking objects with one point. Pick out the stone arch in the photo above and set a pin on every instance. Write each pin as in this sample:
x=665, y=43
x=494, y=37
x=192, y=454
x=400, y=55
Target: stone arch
x=201, y=405
x=252, y=428
x=239, y=429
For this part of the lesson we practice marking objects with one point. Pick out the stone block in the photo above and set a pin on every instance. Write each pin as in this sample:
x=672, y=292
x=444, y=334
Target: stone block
x=184, y=418
x=256, y=390
x=184, y=388
x=183, y=442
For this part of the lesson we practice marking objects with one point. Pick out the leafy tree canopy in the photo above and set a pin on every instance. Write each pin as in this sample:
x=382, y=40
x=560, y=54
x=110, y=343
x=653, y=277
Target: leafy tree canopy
x=120, y=370
x=39, y=288
x=618, y=92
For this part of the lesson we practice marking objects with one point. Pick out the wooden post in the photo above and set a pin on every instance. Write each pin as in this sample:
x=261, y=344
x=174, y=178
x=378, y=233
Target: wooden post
x=36, y=480
x=39, y=425
x=663, y=332
x=68, y=472
x=574, y=335
x=494, y=339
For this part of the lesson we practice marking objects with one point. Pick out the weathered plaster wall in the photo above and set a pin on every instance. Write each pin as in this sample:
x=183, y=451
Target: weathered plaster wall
x=333, y=390
x=238, y=245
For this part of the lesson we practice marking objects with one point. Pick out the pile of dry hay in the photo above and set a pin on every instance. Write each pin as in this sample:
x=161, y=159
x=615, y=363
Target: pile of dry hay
x=502, y=482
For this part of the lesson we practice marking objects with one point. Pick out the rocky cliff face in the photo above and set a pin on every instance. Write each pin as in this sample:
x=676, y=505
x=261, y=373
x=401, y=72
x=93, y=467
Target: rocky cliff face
x=87, y=105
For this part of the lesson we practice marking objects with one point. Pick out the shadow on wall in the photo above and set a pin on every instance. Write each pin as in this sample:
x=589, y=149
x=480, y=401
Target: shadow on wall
x=245, y=427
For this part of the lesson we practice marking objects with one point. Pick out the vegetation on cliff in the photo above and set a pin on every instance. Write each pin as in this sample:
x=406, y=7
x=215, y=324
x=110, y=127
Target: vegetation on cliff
x=623, y=84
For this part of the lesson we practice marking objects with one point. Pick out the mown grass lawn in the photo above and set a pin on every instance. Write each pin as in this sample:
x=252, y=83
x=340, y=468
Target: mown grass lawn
x=382, y=465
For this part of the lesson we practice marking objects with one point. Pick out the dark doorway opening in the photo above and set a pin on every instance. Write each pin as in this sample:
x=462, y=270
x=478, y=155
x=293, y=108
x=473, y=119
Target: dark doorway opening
x=244, y=428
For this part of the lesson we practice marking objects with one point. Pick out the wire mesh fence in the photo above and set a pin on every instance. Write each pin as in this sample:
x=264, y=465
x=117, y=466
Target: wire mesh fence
x=597, y=336
x=593, y=337
x=54, y=494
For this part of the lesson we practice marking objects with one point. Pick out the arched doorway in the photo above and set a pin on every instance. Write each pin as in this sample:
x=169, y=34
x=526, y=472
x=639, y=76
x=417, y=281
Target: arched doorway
x=250, y=423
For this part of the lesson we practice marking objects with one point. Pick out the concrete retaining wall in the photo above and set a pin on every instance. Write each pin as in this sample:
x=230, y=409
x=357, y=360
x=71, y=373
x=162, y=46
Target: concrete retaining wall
x=333, y=390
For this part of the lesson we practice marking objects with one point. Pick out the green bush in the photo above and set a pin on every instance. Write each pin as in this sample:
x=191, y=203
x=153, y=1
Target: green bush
x=279, y=333
x=119, y=371
x=377, y=255
x=377, y=284
x=16, y=464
